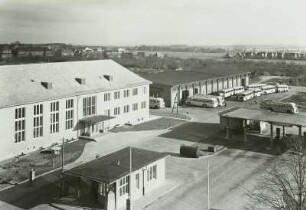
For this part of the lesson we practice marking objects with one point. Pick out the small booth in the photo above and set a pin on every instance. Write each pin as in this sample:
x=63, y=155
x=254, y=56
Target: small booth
x=110, y=181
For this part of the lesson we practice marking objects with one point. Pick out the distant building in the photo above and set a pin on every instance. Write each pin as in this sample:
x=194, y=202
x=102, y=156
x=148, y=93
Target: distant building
x=43, y=103
x=181, y=84
x=6, y=54
x=121, y=50
x=110, y=180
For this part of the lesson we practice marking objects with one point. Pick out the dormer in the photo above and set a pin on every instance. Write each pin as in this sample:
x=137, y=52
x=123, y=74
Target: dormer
x=81, y=81
x=47, y=85
x=108, y=77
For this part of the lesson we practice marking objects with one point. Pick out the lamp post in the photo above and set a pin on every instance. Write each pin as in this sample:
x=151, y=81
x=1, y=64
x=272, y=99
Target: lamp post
x=208, y=198
x=62, y=169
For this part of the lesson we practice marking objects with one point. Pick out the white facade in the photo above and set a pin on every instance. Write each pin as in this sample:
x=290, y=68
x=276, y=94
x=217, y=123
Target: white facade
x=23, y=133
x=147, y=182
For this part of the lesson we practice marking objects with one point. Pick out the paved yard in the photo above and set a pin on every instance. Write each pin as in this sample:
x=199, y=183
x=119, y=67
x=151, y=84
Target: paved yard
x=231, y=172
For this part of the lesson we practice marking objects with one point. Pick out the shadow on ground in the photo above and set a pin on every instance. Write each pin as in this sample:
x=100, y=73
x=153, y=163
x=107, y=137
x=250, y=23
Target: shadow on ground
x=210, y=134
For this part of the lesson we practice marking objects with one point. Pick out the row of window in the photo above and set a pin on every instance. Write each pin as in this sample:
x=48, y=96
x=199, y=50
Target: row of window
x=124, y=182
x=126, y=108
x=126, y=93
x=20, y=119
x=89, y=109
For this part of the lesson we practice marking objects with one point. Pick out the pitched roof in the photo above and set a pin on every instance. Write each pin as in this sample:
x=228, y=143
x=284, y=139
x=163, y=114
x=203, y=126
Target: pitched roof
x=115, y=165
x=21, y=84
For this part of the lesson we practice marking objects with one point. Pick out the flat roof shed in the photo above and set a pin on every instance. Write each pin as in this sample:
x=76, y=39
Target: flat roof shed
x=266, y=116
x=274, y=118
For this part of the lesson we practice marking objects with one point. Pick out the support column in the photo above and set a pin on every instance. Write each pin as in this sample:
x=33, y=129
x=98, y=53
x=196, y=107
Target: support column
x=271, y=133
x=206, y=87
x=283, y=131
x=244, y=130
x=79, y=188
x=227, y=129
x=300, y=130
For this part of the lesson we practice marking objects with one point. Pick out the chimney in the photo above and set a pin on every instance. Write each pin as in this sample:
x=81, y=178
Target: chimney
x=47, y=85
x=108, y=77
x=81, y=81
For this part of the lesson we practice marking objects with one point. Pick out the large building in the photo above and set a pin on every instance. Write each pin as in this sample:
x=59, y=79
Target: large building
x=181, y=84
x=43, y=103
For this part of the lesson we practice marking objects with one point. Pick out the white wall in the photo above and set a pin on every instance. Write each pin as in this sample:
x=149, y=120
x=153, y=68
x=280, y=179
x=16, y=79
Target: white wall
x=7, y=115
x=149, y=186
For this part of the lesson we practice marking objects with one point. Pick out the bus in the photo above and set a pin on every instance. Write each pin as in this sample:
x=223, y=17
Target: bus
x=156, y=103
x=226, y=92
x=238, y=90
x=202, y=100
x=255, y=86
x=220, y=99
x=276, y=106
x=267, y=89
x=245, y=95
x=257, y=92
x=282, y=88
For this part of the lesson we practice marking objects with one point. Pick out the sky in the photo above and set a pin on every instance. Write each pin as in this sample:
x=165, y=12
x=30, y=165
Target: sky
x=154, y=22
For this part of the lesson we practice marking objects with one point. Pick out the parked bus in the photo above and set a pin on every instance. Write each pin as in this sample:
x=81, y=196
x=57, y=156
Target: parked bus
x=226, y=92
x=257, y=92
x=255, y=86
x=238, y=90
x=245, y=95
x=282, y=88
x=156, y=103
x=267, y=89
x=221, y=101
x=202, y=100
x=276, y=106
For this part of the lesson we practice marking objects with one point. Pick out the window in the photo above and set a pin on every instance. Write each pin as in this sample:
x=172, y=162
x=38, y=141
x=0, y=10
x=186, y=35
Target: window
x=117, y=111
x=54, y=117
x=144, y=90
x=124, y=185
x=126, y=109
x=106, y=96
x=69, y=114
x=135, y=106
x=107, y=112
x=143, y=104
x=20, y=124
x=137, y=181
x=116, y=94
x=135, y=91
x=152, y=173
x=126, y=93
x=89, y=106
x=38, y=121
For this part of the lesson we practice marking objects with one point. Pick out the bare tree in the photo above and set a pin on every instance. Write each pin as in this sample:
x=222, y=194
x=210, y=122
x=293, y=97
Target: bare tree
x=283, y=185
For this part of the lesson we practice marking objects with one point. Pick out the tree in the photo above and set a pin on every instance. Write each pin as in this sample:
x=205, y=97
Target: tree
x=283, y=185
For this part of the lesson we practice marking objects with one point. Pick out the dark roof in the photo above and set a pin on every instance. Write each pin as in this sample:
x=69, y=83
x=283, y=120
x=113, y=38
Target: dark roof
x=95, y=119
x=106, y=169
x=177, y=77
x=266, y=116
x=182, y=77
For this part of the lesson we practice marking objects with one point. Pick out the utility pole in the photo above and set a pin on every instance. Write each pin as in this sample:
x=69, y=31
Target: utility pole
x=208, y=198
x=62, y=170
x=128, y=203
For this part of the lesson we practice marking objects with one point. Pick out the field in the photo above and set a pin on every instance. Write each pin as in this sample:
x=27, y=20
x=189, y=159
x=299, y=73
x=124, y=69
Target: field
x=185, y=55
